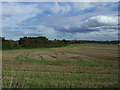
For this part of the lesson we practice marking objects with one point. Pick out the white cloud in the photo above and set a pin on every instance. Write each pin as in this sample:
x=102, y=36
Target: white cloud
x=61, y=20
x=14, y=13
x=56, y=8
x=0, y=19
x=45, y=30
x=100, y=23
x=60, y=0
x=74, y=24
x=109, y=20
x=81, y=6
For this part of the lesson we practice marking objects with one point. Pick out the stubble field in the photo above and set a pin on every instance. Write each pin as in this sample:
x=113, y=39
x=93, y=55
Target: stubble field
x=73, y=66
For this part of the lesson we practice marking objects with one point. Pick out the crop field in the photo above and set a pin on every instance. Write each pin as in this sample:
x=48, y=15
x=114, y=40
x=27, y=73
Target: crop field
x=73, y=66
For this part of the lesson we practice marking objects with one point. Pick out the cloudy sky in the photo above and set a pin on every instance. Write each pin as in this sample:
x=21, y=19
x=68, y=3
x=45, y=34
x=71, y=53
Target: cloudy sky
x=60, y=20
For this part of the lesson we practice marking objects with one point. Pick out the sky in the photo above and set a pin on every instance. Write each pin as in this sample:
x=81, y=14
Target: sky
x=60, y=20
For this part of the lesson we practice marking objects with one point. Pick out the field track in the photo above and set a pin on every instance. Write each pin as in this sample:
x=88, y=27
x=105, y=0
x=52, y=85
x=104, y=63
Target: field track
x=74, y=66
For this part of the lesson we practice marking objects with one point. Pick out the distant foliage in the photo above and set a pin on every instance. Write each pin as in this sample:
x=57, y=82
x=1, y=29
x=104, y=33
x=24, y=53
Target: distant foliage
x=43, y=42
x=32, y=42
x=10, y=44
x=0, y=43
x=95, y=42
x=40, y=42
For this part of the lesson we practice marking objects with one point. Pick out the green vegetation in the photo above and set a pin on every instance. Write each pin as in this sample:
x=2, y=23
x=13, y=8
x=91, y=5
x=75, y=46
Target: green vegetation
x=43, y=42
x=73, y=66
x=62, y=62
x=9, y=44
x=32, y=42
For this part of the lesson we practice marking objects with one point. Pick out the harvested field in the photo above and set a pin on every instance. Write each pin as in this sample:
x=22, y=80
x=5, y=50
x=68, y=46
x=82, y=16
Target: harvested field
x=73, y=66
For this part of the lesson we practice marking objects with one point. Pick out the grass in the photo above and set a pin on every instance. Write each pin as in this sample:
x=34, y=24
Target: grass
x=65, y=62
x=74, y=66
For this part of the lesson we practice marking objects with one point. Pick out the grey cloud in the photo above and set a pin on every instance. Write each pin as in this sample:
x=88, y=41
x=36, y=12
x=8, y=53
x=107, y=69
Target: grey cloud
x=19, y=33
x=69, y=19
x=4, y=16
x=30, y=27
x=74, y=25
x=12, y=33
x=75, y=30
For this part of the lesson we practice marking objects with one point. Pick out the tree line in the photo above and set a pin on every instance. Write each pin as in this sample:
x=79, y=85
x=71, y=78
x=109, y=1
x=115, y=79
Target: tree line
x=43, y=42
x=32, y=42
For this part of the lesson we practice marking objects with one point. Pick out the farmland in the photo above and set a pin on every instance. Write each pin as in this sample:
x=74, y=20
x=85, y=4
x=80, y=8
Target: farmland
x=73, y=66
